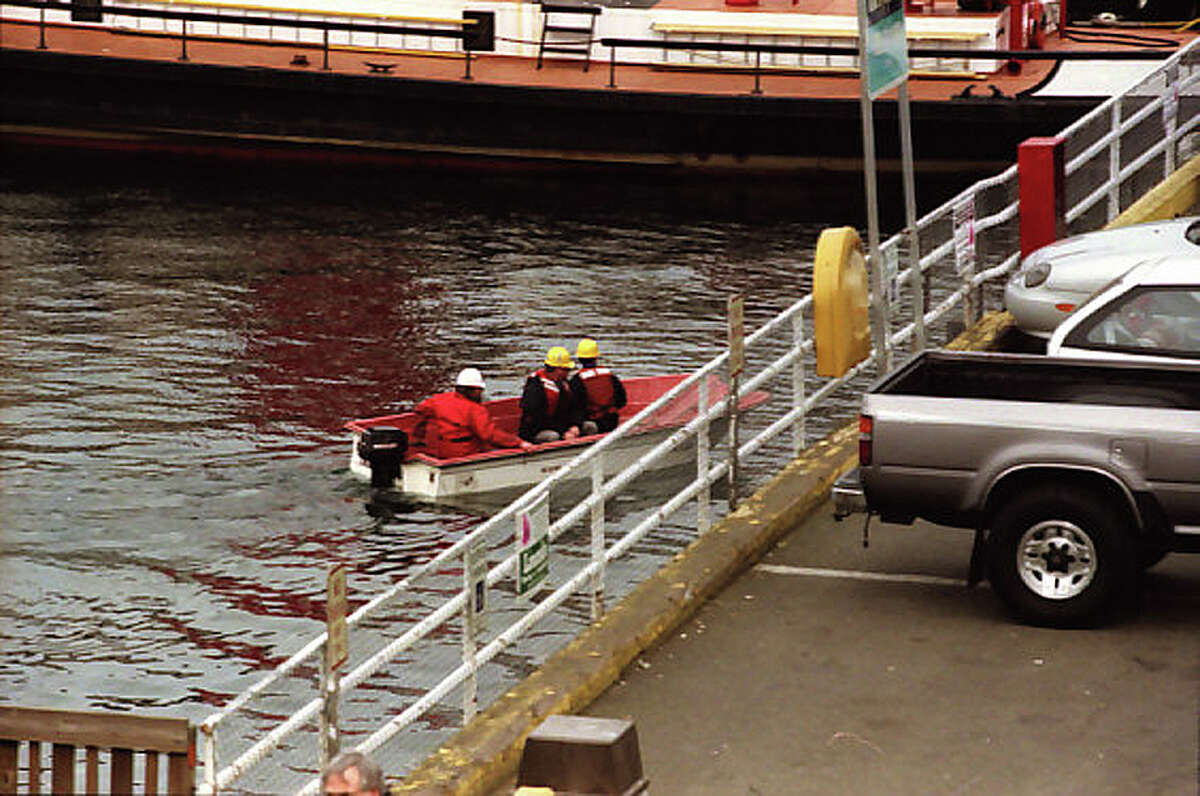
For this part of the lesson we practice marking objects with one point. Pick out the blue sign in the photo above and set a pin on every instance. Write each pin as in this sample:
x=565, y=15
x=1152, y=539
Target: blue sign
x=886, y=46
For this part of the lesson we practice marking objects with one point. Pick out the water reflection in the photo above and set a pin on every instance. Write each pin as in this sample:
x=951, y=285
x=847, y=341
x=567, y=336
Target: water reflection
x=179, y=351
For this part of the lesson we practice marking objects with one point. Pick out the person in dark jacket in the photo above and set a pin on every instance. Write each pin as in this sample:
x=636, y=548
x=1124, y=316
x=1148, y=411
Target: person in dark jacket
x=455, y=423
x=548, y=412
x=597, y=391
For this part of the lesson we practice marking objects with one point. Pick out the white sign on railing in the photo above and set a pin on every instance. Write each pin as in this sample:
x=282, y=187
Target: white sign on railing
x=533, y=545
x=337, y=649
x=475, y=576
x=736, y=312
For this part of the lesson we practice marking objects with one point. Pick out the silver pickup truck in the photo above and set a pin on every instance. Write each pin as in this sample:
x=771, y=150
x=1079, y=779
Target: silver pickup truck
x=1075, y=474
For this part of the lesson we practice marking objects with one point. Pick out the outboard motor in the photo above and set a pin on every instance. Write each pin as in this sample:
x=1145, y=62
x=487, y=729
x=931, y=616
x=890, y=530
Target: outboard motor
x=383, y=447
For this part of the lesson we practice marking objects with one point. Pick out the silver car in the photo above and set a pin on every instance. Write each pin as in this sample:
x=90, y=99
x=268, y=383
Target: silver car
x=1057, y=278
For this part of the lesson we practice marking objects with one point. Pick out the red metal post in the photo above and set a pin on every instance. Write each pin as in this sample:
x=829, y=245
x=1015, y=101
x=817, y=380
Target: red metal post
x=1016, y=24
x=1041, y=174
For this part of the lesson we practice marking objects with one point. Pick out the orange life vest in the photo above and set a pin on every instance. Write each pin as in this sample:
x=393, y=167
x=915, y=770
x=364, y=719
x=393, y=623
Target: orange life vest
x=552, y=390
x=598, y=382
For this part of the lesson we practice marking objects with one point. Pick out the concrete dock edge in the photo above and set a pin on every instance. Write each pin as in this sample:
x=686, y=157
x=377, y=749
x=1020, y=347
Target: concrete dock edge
x=484, y=755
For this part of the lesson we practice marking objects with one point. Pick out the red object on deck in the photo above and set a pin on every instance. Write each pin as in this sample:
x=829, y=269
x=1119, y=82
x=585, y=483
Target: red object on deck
x=741, y=2
x=1041, y=175
x=1016, y=27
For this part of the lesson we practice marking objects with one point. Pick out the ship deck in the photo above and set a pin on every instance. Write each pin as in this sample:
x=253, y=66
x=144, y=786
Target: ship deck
x=567, y=74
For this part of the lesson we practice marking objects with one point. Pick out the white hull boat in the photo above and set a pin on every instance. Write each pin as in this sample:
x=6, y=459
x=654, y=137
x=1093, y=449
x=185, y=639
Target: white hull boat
x=406, y=467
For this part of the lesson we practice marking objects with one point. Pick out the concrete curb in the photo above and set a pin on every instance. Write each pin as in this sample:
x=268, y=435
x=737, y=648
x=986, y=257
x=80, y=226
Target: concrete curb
x=484, y=755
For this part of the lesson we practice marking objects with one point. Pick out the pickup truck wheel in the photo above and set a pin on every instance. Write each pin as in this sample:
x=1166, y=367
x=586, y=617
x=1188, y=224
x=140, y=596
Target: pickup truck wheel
x=1060, y=556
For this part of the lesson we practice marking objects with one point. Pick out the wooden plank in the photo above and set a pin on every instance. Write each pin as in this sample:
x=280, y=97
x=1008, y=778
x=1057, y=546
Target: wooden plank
x=35, y=767
x=62, y=768
x=76, y=728
x=121, y=771
x=151, y=772
x=181, y=774
x=8, y=766
x=92, y=769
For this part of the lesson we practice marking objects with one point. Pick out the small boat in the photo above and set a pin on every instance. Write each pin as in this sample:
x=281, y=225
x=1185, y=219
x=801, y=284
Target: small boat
x=384, y=452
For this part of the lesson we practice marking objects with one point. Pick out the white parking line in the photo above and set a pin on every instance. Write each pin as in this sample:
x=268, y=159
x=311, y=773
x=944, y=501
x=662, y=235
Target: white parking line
x=851, y=574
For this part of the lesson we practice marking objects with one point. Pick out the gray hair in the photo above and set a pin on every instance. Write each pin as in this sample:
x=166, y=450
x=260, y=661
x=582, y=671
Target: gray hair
x=369, y=773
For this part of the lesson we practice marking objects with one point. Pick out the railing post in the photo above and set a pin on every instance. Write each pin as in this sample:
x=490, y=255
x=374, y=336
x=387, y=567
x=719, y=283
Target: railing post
x=325, y=47
x=612, y=67
x=598, y=538
x=1170, y=114
x=910, y=219
x=1114, y=161
x=757, y=72
x=1041, y=175
x=737, y=363
x=183, y=56
x=798, y=436
x=42, y=28
x=330, y=696
x=474, y=577
x=734, y=469
x=704, y=497
x=467, y=76
x=918, y=286
x=210, y=757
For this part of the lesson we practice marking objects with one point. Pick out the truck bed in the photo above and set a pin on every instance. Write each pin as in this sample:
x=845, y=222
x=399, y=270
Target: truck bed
x=1035, y=378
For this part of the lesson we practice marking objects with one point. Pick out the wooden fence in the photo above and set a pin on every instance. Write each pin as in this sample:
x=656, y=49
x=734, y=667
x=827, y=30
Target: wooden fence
x=78, y=734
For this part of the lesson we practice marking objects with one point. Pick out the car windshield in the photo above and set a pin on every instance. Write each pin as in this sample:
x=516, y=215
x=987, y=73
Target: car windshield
x=1160, y=320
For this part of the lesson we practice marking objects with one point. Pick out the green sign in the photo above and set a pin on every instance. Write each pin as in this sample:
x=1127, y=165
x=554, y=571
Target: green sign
x=533, y=545
x=885, y=45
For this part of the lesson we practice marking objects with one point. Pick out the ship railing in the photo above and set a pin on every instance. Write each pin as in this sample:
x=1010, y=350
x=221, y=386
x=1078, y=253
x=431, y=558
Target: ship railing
x=308, y=28
x=757, y=56
x=417, y=642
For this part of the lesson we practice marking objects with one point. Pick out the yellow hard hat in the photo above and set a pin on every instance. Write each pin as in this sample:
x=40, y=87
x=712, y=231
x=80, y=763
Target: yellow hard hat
x=558, y=357
x=587, y=349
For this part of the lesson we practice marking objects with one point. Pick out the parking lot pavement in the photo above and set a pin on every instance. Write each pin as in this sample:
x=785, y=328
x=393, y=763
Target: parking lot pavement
x=810, y=674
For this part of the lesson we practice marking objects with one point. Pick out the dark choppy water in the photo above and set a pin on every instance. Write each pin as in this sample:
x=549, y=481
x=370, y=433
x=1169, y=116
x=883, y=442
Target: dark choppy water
x=179, y=351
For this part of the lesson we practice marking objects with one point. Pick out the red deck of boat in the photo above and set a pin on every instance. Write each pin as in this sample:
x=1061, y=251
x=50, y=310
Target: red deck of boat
x=519, y=71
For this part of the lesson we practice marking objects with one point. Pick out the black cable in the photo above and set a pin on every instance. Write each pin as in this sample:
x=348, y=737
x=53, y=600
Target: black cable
x=1114, y=37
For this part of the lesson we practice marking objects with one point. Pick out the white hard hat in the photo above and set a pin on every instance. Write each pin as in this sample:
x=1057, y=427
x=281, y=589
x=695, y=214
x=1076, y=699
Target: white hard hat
x=469, y=377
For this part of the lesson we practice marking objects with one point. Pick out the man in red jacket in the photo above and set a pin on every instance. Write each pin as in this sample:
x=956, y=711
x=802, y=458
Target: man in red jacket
x=455, y=423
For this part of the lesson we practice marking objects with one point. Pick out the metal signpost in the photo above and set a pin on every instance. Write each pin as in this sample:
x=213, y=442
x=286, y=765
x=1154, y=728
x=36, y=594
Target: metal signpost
x=883, y=62
x=337, y=652
x=737, y=363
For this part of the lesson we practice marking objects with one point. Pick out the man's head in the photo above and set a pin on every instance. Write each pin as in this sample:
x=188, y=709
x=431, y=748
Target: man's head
x=352, y=774
x=558, y=362
x=470, y=383
x=587, y=352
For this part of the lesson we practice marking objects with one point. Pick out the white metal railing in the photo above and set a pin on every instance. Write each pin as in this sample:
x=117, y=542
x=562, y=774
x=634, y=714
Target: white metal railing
x=265, y=23
x=781, y=350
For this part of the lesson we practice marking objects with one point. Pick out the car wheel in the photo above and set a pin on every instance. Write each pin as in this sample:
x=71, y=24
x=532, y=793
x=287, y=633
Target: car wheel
x=1060, y=556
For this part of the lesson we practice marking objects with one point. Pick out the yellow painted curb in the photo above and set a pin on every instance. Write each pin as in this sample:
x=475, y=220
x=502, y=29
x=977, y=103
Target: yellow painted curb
x=1178, y=195
x=483, y=757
